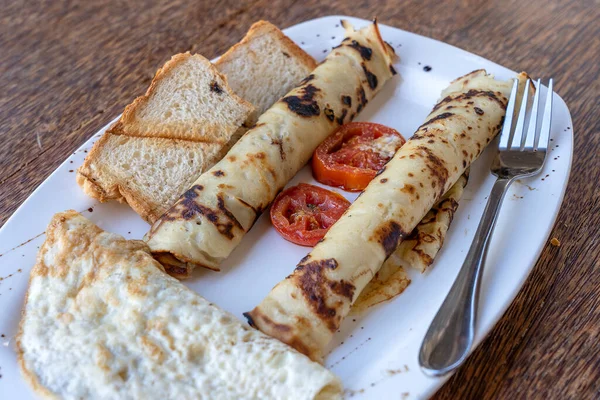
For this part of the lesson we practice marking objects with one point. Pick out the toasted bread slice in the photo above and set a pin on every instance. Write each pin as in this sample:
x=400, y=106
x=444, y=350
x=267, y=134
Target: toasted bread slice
x=188, y=99
x=147, y=173
x=265, y=65
x=186, y=121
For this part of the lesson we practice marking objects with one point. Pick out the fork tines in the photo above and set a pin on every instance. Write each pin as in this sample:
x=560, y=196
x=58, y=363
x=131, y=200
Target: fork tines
x=514, y=135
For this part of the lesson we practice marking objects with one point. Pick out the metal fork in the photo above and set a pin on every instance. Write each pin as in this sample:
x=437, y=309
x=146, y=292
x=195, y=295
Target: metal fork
x=521, y=153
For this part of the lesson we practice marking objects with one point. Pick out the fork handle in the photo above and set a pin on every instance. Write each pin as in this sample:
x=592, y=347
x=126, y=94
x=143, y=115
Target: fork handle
x=450, y=335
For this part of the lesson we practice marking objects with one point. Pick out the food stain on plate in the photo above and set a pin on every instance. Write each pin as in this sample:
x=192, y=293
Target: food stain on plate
x=22, y=244
x=389, y=373
x=11, y=275
x=348, y=354
x=520, y=182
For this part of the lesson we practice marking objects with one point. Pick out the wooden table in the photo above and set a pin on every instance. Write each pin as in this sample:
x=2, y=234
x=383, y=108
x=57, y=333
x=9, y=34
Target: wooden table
x=67, y=68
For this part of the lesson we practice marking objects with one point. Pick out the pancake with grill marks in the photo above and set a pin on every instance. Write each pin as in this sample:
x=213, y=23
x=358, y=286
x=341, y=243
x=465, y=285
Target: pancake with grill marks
x=307, y=308
x=209, y=220
x=417, y=251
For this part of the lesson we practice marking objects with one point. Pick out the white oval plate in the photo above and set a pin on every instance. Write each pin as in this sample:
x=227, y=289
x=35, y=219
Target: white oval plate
x=375, y=354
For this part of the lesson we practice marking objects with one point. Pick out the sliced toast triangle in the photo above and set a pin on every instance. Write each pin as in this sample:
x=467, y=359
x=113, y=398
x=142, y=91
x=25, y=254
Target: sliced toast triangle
x=186, y=122
x=272, y=64
x=188, y=119
x=188, y=99
x=146, y=173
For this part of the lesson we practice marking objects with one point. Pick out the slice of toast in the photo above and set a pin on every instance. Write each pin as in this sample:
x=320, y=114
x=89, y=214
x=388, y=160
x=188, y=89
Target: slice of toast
x=186, y=121
x=187, y=99
x=177, y=130
x=265, y=65
x=146, y=173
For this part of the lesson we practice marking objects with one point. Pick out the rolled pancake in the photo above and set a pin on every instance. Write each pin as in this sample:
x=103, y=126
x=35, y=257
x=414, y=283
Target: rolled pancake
x=417, y=251
x=390, y=281
x=211, y=218
x=103, y=321
x=306, y=308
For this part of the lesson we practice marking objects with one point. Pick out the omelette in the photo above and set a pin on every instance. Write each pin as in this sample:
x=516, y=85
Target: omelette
x=210, y=219
x=307, y=308
x=103, y=321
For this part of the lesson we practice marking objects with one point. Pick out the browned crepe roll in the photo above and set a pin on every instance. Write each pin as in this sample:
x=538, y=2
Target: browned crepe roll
x=307, y=308
x=417, y=251
x=211, y=218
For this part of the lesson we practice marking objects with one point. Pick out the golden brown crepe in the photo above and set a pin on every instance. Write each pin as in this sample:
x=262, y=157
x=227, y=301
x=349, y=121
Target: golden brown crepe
x=417, y=251
x=390, y=281
x=420, y=248
x=306, y=309
x=211, y=218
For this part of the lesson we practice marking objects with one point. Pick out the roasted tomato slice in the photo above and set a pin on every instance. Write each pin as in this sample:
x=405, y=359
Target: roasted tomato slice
x=352, y=155
x=304, y=213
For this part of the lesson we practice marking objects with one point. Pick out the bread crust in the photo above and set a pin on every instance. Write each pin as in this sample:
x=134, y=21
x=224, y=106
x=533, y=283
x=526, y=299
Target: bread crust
x=120, y=191
x=103, y=190
x=261, y=28
x=117, y=191
x=126, y=125
x=84, y=174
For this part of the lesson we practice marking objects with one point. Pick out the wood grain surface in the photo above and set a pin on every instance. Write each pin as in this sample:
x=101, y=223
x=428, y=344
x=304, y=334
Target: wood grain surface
x=68, y=67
